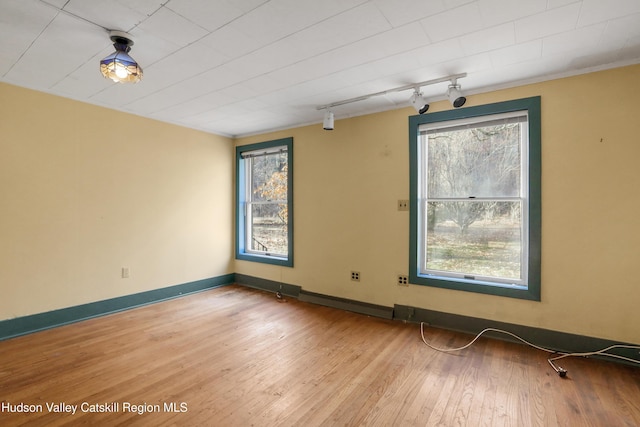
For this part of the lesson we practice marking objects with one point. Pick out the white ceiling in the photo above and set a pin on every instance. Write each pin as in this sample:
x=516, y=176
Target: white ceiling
x=241, y=67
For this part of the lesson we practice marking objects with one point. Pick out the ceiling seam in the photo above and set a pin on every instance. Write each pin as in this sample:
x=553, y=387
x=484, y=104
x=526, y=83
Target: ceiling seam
x=31, y=44
x=257, y=49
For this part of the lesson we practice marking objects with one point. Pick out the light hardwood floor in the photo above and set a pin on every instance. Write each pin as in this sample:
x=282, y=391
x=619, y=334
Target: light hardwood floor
x=235, y=356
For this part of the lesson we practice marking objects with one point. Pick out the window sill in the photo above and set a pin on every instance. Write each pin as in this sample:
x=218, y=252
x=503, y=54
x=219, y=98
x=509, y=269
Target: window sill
x=477, y=286
x=265, y=259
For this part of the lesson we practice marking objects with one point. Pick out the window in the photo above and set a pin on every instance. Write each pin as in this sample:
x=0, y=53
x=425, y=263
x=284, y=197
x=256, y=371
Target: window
x=475, y=199
x=264, y=183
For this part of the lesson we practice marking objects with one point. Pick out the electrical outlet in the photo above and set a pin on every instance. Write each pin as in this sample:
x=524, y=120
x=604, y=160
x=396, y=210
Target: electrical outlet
x=403, y=205
x=355, y=276
x=403, y=280
x=124, y=272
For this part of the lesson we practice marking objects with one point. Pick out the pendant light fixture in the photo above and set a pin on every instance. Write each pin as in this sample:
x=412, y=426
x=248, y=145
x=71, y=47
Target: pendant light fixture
x=119, y=66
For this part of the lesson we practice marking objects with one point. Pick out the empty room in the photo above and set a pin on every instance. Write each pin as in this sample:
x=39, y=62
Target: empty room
x=318, y=213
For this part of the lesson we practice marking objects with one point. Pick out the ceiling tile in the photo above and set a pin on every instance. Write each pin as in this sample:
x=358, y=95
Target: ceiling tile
x=569, y=41
x=440, y=52
x=453, y=23
x=20, y=25
x=264, y=84
x=490, y=39
x=394, y=65
x=622, y=30
x=594, y=11
x=185, y=63
x=343, y=29
x=213, y=15
x=452, y=4
x=147, y=49
x=114, y=14
x=162, y=99
x=468, y=64
x=521, y=52
x=552, y=4
x=84, y=81
x=195, y=106
x=495, y=12
x=118, y=95
x=49, y=59
x=547, y=23
x=363, y=52
x=583, y=59
x=57, y=3
x=630, y=53
x=401, y=12
x=208, y=64
x=168, y=25
x=218, y=78
x=347, y=27
x=233, y=41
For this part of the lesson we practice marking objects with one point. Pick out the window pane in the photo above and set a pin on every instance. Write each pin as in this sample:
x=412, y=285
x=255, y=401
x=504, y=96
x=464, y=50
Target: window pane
x=475, y=199
x=264, y=205
x=474, y=238
x=269, y=177
x=269, y=232
x=474, y=162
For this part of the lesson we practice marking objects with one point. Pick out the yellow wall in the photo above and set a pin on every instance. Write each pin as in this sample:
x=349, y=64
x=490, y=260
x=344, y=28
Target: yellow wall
x=347, y=183
x=85, y=191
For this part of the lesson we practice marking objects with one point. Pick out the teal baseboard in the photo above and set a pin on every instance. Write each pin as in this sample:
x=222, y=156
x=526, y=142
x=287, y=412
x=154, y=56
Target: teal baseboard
x=295, y=291
x=268, y=285
x=28, y=324
x=347, y=305
x=549, y=339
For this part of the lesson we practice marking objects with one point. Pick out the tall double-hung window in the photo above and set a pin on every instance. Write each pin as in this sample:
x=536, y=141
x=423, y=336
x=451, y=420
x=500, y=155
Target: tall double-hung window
x=264, y=183
x=475, y=199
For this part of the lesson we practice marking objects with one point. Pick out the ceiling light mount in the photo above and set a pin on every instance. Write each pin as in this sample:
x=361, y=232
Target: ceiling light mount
x=119, y=66
x=121, y=38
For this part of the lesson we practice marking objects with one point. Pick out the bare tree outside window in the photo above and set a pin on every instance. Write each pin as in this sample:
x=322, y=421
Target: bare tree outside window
x=473, y=206
x=264, y=202
x=269, y=208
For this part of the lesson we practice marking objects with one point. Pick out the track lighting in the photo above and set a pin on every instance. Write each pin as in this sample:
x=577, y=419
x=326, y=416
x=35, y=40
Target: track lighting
x=119, y=66
x=418, y=102
x=455, y=96
x=327, y=123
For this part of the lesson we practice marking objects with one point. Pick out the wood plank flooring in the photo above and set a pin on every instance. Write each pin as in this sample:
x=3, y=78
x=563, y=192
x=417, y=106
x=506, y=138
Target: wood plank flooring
x=234, y=356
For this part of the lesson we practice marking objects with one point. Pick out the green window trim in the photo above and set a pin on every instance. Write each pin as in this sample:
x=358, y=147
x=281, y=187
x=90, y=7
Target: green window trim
x=242, y=251
x=532, y=289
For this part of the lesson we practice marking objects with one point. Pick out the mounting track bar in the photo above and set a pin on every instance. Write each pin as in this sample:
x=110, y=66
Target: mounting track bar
x=397, y=89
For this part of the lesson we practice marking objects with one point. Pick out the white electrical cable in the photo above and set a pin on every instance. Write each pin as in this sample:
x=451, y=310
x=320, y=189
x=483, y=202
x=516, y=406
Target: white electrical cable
x=562, y=372
x=476, y=338
x=603, y=352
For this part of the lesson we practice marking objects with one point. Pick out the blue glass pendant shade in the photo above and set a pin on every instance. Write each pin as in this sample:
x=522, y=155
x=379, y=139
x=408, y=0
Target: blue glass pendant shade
x=119, y=66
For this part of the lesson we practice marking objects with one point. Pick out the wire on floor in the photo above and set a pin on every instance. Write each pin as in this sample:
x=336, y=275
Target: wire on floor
x=559, y=370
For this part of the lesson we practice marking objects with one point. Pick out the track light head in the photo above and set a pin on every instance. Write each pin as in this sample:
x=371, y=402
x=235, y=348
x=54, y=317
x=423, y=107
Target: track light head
x=418, y=102
x=327, y=123
x=455, y=96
